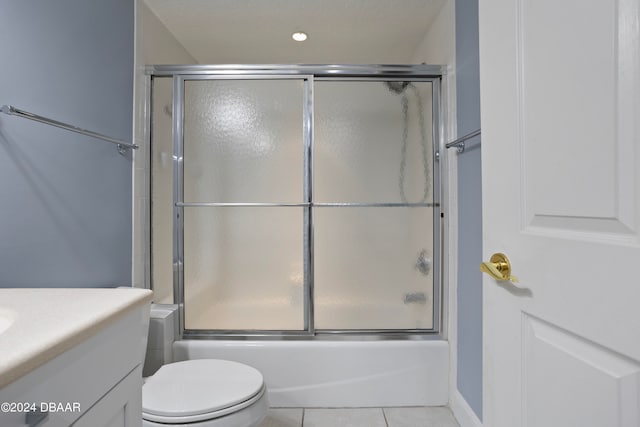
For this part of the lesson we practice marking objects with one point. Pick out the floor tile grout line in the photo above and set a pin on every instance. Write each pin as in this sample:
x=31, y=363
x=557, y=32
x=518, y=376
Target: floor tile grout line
x=387, y=419
x=384, y=415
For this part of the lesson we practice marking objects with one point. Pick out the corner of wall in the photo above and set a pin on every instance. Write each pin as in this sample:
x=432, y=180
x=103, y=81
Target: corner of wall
x=467, y=375
x=158, y=44
x=438, y=45
x=140, y=193
x=154, y=44
x=463, y=412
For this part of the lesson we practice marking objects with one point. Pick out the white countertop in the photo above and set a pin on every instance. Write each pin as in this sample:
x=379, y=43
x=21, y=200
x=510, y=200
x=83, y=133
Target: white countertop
x=47, y=322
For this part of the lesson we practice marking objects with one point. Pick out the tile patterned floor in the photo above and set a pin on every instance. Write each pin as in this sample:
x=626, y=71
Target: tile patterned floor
x=360, y=417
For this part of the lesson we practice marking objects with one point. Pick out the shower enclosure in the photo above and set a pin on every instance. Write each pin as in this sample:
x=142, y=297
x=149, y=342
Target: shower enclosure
x=297, y=200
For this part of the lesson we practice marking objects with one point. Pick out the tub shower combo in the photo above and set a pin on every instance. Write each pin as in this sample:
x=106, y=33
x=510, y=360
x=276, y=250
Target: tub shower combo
x=296, y=223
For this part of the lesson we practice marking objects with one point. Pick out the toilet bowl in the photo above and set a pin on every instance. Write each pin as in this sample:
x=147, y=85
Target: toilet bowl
x=204, y=393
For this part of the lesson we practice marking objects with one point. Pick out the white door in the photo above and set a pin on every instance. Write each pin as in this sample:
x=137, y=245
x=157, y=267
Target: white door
x=560, y=91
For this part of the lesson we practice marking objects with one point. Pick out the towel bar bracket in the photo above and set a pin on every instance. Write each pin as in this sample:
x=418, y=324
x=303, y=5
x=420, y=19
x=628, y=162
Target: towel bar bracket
x=459, y=143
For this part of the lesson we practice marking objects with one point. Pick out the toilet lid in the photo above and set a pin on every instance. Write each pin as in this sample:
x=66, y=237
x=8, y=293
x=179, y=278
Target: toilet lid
x=196, y=387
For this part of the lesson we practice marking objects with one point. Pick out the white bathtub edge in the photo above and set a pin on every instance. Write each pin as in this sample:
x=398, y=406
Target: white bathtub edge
x=338, y=373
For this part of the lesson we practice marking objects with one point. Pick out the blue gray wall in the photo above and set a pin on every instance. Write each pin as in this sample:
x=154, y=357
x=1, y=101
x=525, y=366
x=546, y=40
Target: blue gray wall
x=469, y=208
x=65, y=199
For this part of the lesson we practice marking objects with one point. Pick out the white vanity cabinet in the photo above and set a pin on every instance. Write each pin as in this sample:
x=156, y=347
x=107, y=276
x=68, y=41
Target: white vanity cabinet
x=97, y=382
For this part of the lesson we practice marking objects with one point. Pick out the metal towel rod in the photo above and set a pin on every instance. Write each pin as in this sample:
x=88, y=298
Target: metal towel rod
x=12, y=111
x=459, y=143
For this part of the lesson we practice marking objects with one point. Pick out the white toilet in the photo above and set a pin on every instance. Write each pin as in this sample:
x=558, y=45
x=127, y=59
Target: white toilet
x=204, y=393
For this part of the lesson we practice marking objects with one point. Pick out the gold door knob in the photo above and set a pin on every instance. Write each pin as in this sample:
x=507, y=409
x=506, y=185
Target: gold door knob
x=499, y=268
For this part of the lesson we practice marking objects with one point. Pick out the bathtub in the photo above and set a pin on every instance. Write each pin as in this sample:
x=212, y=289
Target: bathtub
x=325, y=373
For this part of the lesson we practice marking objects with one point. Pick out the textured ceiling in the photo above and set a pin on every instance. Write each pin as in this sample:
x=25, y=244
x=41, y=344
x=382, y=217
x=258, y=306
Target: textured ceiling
x=259, y=31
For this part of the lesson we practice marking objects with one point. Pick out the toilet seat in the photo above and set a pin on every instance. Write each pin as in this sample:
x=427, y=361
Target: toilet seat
x=200, y=390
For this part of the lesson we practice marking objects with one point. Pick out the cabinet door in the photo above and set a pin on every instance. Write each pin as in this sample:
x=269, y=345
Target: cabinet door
x=121, y=407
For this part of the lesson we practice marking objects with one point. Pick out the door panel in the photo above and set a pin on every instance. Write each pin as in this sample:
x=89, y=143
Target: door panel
x=374, y=146
x=243, y=217
x=572, y=109
x=561, y=197
x=560, y=364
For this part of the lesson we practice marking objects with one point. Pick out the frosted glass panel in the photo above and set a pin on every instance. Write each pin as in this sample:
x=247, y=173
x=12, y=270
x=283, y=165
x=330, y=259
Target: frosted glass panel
x=162, y=192
x=368, y=146
x=243, y=141
x=243, y=268
x=373, y=268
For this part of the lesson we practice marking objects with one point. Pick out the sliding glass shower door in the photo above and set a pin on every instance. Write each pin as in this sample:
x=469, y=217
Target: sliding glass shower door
x=301, y=204
x=373, y=198
x=243, y=203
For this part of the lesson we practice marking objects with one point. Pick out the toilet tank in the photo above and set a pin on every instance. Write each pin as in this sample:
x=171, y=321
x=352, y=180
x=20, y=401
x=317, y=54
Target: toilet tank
x=163, y=331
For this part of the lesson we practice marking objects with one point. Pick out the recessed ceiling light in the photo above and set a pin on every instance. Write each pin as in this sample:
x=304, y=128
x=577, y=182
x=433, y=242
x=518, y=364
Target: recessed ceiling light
x=299, y=36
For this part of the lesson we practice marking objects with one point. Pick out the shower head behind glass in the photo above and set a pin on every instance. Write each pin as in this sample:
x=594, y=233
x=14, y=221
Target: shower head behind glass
x=396, y=87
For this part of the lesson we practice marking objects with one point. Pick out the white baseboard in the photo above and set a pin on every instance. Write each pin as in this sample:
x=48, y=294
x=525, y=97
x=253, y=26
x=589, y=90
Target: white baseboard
x=463, y=412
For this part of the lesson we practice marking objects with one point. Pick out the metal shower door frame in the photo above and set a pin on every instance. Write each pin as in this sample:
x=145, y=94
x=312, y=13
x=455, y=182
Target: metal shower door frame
x=179, y=202
x=307, y=73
